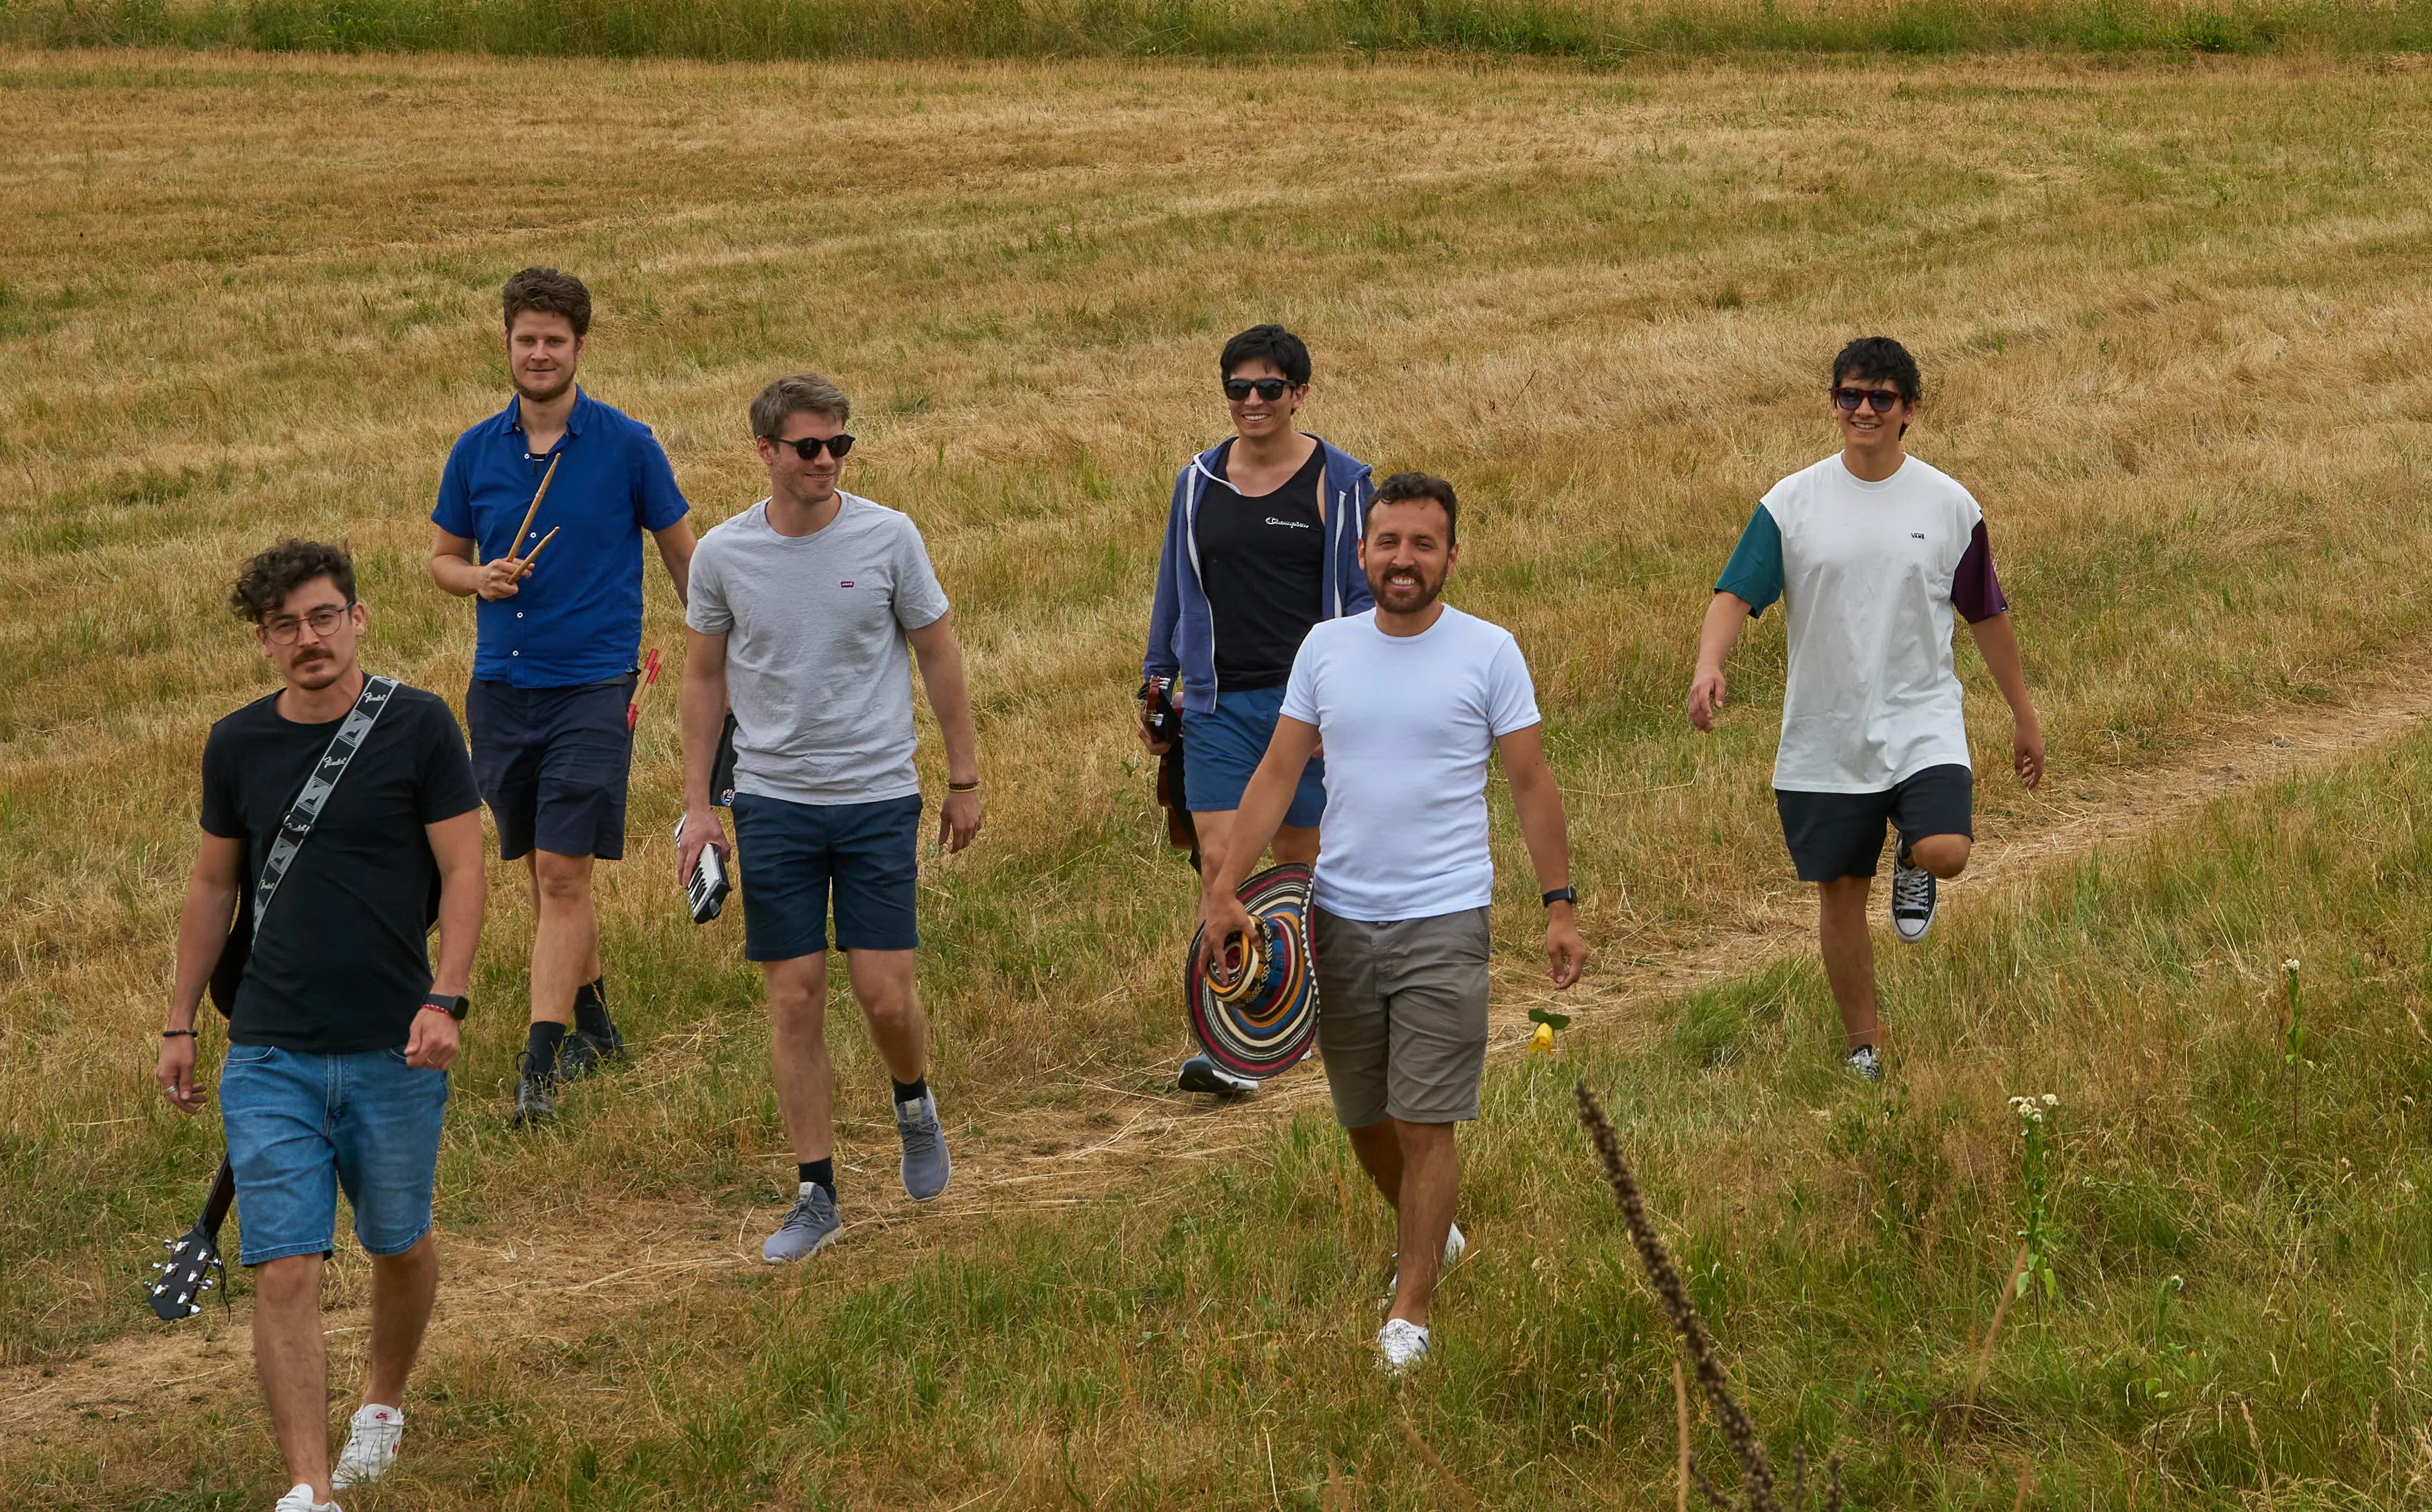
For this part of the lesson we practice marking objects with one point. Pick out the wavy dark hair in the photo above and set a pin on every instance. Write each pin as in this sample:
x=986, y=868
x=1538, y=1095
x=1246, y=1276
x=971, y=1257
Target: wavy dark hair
x=269, y=577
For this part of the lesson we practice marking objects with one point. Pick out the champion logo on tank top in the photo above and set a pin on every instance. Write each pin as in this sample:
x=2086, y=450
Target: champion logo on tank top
x=1297, y=525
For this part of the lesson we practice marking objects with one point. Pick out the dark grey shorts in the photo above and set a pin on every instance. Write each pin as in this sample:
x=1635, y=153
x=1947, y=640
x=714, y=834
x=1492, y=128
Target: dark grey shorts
x=1833, y=835
x=1401, y=1016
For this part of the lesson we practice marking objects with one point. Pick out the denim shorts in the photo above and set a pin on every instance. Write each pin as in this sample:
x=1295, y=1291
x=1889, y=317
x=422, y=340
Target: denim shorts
x=792, y=855
x=552, y=763
x=300, y=1127
x=1220, y=750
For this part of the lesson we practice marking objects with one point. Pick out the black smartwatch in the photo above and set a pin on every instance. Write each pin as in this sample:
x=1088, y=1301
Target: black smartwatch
x=454, y=1007
x=1561, y=895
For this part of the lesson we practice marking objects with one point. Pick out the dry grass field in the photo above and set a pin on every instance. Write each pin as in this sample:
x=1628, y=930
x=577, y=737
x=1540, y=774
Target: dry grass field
x=2173, y=320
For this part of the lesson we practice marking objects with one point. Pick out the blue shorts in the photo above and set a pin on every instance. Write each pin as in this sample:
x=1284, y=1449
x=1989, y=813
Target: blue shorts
x=1220, y=750
x=552, y=763
x=300, y=1127
x=788, y=853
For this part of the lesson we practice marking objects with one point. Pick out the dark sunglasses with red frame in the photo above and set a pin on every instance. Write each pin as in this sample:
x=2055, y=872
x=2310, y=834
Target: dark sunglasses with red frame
x=1883, y=400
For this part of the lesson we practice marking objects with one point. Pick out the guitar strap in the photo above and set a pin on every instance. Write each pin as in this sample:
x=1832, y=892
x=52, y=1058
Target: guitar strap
x=301, y=814
x=228, y=974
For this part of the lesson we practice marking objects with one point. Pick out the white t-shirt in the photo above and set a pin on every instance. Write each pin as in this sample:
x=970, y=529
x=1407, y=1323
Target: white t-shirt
x=1873, y=576
x=1408, y=722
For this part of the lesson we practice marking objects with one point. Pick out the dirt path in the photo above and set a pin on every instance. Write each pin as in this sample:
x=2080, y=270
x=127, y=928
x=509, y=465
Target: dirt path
x=1094, y=1139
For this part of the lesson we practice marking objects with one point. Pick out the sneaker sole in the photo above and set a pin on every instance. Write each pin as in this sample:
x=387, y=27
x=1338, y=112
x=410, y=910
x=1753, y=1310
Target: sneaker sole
x=825, y=1239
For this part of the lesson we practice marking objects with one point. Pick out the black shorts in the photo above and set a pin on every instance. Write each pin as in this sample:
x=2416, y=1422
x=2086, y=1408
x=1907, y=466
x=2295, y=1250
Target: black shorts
x=1833, y=835
x=552, y=765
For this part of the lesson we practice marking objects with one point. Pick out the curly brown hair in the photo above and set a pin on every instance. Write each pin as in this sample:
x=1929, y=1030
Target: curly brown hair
x=269, y=577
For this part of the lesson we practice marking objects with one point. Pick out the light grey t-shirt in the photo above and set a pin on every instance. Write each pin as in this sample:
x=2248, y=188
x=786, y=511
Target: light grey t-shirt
x=816, y=663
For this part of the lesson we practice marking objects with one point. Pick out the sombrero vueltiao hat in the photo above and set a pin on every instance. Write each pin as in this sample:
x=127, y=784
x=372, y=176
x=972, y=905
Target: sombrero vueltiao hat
x=1263, y=1021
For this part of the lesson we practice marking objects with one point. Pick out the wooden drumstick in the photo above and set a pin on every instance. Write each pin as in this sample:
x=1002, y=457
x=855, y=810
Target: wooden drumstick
x=650, y=675
x=515, y=547
x=535, y=553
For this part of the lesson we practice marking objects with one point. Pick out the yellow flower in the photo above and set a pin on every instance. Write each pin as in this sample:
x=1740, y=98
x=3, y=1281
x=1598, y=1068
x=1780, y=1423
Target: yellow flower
x=1542, y=1042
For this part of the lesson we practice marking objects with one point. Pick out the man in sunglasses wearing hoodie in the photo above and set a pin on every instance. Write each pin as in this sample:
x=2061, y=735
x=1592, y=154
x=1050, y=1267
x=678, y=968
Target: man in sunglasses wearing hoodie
x=1873, y=554
x=1262, y=542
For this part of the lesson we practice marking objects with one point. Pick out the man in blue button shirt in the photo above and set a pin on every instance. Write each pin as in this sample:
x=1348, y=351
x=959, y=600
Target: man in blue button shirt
x=559, y=637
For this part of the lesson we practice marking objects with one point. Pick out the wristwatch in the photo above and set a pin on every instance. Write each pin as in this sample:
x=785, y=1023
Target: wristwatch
x=1561, y=895
x=454, y=1007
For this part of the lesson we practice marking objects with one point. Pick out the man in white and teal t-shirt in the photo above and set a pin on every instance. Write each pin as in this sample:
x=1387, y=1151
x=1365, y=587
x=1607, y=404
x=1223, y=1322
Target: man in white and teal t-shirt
x=1872, y=553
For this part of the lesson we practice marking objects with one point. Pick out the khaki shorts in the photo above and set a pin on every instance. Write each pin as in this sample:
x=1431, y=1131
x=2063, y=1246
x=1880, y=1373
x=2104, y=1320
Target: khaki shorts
x=1401, y=1016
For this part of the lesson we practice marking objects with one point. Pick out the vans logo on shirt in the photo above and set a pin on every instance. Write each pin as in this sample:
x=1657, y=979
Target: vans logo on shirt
x=1913, y=535
x=1297, y=525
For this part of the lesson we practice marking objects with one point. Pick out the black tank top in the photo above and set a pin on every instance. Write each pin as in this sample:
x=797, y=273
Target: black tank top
x=1262, y=561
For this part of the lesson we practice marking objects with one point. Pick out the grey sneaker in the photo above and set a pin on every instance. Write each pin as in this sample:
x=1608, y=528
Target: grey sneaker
x=808, y=1229
x=926, y=1164
x=1865, y=1065
x=1913, y=897
x=536, y=1092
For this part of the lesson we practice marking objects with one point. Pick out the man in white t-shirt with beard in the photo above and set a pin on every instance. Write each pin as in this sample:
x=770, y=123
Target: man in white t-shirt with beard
x=1409, y=698
x=1873, y=554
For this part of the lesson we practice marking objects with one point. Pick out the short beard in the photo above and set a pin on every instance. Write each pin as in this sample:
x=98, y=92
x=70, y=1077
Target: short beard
x=541, y=396
x=1429, y=593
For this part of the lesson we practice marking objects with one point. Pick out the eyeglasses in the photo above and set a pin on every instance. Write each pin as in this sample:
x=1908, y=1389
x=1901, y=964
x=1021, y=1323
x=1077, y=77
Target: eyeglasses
x=283, y=629
x=1268, y=389
x=810, y=448
x=1883, y=400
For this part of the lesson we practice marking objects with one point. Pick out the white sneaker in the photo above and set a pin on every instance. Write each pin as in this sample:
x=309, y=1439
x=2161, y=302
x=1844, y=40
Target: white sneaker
x=1865, y=1065
x=299, y=1499
x=1455, y=1247
x=371, y=1445
x=1401, y=1344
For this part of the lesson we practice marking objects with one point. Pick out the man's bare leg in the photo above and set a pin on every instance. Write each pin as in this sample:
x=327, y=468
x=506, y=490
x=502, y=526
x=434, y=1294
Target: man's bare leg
x=293, y=1364
x=1430, y=1186
x=797, y=1053
x=404, y=1288
x=1850, y=955
x=883, y=984
x=565, y=939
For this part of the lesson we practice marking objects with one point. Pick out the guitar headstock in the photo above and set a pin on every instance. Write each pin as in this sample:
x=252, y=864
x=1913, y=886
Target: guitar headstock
x=193, y=1256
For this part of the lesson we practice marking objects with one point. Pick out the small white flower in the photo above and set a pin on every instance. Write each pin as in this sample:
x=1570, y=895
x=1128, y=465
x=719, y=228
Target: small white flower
x=2289, y=965
x=2052, y=1099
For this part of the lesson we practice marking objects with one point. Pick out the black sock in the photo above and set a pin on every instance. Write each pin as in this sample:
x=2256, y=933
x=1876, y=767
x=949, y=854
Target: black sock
x=912, y=1091
x=591, y=1009
x=541, y=1045
x=819, y=1172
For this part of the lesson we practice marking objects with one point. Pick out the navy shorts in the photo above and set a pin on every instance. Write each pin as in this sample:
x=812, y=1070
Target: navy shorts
x=552, y=763
x=1833, y=835
x=790, y=853
x=300, y=1127
x=1220, y=750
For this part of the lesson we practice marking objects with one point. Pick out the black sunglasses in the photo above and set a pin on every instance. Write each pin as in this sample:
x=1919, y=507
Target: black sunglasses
x=1849, y=398
x=1268, y=389
x=810, y=448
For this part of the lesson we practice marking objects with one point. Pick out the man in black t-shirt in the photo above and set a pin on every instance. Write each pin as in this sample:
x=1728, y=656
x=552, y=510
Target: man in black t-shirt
x=1261, y=542
x=341, y=1033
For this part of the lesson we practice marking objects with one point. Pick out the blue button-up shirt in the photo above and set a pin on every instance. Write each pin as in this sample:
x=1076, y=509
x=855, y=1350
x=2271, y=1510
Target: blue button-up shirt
x=577, y=617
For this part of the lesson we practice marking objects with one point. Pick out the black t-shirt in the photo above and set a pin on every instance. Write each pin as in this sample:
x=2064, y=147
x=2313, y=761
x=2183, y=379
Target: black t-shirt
x=341, y=962
x=1262, y=561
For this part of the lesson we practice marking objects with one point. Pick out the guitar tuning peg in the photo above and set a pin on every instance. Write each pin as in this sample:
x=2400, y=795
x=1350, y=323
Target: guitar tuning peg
x=192, y=1308
x=209, y=1284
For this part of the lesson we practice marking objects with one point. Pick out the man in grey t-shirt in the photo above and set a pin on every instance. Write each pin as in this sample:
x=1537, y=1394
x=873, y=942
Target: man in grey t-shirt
x=801, y=610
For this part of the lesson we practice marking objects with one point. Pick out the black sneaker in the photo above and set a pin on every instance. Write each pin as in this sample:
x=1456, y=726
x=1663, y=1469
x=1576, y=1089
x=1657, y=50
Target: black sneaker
x=536, y=1092
x=584, y=1051
x=1200, y=1074
x=1913, y=897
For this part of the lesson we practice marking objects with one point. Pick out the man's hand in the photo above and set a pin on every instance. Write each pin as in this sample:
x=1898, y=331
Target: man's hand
x=1221, y=918
x=1566, y=951
x=1706, y=697
x=498, y=578
x=2027, y=751
x=1149, y=742
x=431, y=1042
x=701, y=829
x=959, y=821
x=176, y=1074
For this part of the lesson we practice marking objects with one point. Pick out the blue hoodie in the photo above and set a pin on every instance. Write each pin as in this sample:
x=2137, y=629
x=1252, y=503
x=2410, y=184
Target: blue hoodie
x=1181, y=633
